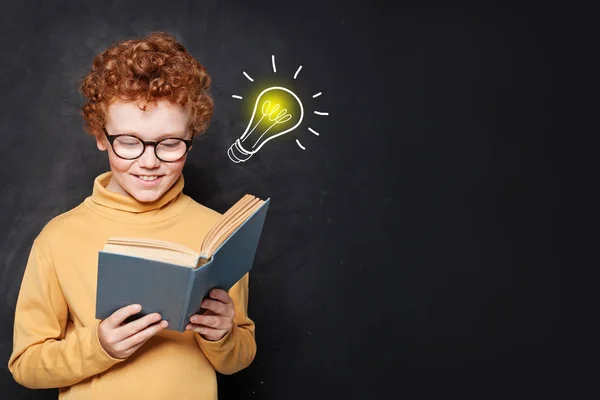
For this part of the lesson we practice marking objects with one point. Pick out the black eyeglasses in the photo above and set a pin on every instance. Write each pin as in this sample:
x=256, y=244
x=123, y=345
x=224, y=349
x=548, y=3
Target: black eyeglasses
x=129, y=147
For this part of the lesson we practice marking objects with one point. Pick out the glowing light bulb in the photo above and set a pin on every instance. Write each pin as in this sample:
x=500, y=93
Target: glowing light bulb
x=277, y=111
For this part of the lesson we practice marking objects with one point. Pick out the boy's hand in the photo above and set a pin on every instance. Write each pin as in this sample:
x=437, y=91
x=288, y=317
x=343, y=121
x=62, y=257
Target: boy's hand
x=122, y=340
x=217, y=320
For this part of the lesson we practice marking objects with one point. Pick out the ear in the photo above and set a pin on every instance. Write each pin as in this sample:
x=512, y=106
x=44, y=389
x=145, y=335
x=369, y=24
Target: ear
x=101, y=143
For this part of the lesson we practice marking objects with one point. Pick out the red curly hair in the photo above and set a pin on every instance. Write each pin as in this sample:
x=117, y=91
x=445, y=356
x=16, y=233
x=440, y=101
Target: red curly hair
x=150, y=69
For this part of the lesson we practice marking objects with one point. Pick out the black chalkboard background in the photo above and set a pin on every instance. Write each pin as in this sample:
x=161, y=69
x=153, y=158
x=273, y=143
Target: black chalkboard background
x=409, y=249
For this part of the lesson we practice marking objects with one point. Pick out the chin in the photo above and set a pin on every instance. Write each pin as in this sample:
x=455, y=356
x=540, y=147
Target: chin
x=146, y=197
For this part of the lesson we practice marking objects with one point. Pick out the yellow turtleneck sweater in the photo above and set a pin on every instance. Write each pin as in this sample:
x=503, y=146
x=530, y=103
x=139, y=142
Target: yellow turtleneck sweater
x=55, y=341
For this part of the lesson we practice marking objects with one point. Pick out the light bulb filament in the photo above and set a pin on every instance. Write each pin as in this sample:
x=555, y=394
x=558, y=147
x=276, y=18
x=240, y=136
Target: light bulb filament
x=266, y=108
x=280, y=118
x=266, y=112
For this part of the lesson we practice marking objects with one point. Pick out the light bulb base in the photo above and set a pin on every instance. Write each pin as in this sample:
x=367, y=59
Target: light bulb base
x=237, y=153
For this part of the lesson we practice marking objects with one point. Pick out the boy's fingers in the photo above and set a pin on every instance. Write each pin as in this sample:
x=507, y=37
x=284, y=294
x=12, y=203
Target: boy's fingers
x=208, y=333
x=215, y=306
x=122, y=314
x=137, y=340
x=139, y=324
x=221, y=295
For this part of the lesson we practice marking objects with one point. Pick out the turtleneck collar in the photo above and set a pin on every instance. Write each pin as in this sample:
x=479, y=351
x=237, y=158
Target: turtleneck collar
x=125, y=207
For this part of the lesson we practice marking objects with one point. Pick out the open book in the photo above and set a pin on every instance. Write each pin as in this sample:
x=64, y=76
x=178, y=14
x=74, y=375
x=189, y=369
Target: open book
x=172, y=279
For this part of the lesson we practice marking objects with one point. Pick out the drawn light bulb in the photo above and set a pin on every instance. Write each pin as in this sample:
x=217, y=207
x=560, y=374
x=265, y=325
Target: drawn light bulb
x=277, y=111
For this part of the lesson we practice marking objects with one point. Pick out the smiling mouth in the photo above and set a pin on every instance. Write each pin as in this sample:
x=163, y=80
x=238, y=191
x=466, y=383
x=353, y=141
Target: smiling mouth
x=148, y=178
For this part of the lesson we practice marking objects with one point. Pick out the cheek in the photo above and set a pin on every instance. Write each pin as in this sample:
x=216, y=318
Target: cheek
x=118, y=164
x=176, y=167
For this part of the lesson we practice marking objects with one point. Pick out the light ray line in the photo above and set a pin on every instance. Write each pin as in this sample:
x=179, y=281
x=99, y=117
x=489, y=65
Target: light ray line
x=321, y=113
x=302, y=147
x=248, y=76
x=235, y=96
x=296, y=74
x=273, y=62
x=313, y=131
x=317, y=95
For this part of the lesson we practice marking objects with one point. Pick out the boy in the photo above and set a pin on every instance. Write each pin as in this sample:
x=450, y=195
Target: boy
x=146, y=100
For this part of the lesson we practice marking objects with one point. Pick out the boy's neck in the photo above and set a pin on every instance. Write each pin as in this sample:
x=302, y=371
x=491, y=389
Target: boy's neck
x=113, y=186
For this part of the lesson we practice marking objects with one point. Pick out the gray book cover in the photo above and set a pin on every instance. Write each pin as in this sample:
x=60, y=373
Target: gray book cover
x=172, y=290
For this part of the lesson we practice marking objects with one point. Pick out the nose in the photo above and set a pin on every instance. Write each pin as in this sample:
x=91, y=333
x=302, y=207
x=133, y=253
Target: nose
x=148, y=159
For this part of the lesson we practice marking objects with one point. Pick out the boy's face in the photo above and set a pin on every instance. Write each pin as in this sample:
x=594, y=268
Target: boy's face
x=158, y=122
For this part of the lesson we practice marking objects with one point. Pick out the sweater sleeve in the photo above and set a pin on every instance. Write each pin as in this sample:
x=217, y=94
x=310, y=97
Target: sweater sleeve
x=237, y=349
x=42, y=357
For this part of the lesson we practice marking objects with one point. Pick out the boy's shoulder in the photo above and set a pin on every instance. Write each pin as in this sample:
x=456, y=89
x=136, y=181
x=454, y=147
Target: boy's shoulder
x=63, y=221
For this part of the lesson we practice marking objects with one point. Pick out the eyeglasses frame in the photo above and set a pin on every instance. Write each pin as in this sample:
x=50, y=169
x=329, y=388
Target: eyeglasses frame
x=154, y=144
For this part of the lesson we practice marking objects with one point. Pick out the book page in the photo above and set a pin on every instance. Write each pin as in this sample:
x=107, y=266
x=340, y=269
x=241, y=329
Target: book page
x=230, y=226
x=151, y=243
x=216, y=232
x=150, y=253
x=240, y=204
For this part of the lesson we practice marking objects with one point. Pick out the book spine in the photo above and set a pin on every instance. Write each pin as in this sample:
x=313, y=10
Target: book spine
x=186, y=302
